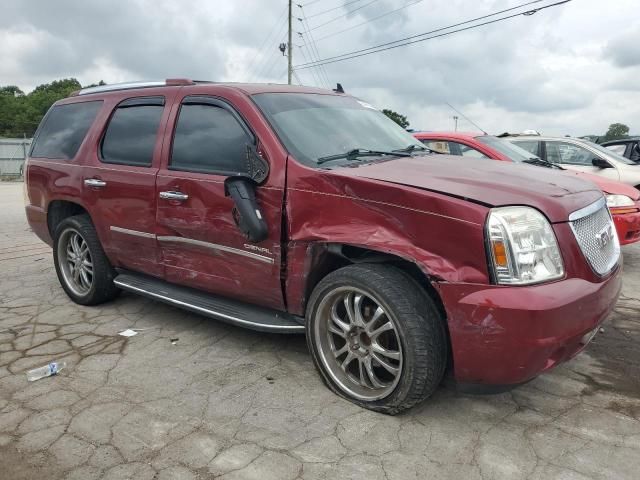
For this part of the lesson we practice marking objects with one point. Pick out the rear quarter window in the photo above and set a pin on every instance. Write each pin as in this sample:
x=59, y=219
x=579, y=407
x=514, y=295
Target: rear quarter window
x=63, y=130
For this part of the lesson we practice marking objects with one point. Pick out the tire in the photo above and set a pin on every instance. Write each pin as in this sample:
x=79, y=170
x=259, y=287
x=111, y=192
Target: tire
x=75, y=237
x=415, y=348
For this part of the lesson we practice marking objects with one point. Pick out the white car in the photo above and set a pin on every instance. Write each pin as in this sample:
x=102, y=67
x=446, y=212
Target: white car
x=581, y=155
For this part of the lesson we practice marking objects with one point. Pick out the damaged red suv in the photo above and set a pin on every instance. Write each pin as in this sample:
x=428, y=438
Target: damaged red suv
x=291, y=209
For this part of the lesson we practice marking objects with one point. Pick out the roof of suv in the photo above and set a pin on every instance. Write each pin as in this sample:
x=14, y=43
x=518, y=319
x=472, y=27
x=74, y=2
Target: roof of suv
x=247, y=88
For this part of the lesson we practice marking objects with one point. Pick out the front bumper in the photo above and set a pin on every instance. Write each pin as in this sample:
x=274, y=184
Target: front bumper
x=502, y=335
x=627, y=226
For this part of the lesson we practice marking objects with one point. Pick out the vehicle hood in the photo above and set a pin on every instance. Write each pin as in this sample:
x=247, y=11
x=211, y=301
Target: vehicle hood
x=486, y=182
x=607, y=185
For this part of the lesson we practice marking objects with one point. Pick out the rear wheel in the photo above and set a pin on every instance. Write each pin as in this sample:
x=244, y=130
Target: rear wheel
x=81, y=264
x=376, y=337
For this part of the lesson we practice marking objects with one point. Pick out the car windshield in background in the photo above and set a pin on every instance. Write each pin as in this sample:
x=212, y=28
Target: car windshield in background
x=512, y=151
x=610, y=153
x=316, y=126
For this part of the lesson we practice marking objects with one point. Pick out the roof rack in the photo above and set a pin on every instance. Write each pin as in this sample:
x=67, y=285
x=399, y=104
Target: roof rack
x=169, y=82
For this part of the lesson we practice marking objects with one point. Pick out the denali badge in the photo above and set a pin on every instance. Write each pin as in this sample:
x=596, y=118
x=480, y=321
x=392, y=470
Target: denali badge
x=256, y=248
x=604, y=236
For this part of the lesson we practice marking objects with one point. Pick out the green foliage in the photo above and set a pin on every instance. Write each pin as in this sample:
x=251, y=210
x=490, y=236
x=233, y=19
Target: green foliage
x=20, y=114
x=616, y=130
x=396, y=117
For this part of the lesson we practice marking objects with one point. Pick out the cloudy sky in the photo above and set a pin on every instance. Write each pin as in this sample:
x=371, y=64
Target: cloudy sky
x=572, y=69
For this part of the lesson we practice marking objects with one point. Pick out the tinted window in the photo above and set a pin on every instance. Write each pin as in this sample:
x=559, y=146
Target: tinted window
x=131, y=135
x=64, y=129
x=209, y=139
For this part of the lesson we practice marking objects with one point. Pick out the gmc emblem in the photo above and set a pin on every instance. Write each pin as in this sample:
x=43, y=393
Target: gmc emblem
x=605, y=236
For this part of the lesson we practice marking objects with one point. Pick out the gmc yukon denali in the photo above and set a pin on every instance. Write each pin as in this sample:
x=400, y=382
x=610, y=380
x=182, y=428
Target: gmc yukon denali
x=292, y=209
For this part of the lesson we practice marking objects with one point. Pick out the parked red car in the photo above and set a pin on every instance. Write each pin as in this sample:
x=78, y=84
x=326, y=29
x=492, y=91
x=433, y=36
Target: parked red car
x=623, y=200
x=293, y=209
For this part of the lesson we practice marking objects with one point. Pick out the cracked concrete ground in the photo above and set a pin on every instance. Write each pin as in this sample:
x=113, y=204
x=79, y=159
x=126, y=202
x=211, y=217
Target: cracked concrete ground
x=233, y=404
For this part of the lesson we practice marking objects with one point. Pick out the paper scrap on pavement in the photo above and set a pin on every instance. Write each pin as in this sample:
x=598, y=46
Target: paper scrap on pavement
x=128, y=333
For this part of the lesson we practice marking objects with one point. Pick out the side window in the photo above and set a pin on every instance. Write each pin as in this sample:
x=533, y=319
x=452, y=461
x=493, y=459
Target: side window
x=440, y=146
x=209, y=138
x=619, y=148
x=529, y=146
x=63, y=130
x=132, y=132
x=571, y=154
x=467, y=151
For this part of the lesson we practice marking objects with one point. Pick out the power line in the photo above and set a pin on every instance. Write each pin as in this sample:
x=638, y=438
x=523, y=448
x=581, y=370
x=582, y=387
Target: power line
x=313, y=71
x=267, y=38
x=368, y=21
x=313, y=47
x=334, y=8
x=473, y=20
x=376, y=49
x=266, y=60
x=343, y=15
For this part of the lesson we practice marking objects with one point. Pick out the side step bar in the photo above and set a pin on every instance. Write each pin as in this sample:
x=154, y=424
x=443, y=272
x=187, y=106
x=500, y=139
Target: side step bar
x=220, y=308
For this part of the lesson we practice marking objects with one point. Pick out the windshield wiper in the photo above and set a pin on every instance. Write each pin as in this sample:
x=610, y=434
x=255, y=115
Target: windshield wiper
x=361, y=152
x=412, y=148
x=541, y=161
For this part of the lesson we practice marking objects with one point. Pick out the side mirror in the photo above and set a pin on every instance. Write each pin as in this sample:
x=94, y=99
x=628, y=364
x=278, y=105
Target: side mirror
x=246, y=213
x=600, y=163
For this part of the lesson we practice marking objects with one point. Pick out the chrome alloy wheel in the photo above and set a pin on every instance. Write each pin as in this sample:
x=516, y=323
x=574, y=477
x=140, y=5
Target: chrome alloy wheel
x=75, y=261
x=358, y=343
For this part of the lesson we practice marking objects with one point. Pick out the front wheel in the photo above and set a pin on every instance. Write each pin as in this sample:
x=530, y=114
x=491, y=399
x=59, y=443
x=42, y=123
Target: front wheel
x=83, y=268
x=376, y=337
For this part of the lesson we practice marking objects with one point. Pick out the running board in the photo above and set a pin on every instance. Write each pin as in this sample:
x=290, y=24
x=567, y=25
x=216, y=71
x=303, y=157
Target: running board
x=220, y=308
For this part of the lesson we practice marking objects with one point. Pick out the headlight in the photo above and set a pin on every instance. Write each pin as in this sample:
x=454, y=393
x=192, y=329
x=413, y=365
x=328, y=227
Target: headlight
x=523, y=248
x=619, y=201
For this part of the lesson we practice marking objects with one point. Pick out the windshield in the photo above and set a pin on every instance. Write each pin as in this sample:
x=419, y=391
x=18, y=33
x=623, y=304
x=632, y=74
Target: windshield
x=512, y=151
x=316, y=126
x=610, y=153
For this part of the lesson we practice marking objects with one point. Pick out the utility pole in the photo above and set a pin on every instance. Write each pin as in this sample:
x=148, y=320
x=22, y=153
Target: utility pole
x=289, y=48
x=455, y=119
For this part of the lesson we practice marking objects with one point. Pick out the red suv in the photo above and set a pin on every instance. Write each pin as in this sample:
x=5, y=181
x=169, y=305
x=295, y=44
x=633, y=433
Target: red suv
x=292, y=209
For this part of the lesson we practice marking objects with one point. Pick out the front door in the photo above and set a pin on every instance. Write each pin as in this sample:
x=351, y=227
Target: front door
x=199, y=241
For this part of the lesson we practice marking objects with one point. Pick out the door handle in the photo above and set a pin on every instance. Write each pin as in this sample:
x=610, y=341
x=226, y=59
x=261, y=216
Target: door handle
x=179, y=196
x=95, y=183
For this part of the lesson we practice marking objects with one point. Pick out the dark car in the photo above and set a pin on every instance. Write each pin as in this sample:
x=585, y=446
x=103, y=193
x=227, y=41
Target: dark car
x=627, y=147
x=293, y=209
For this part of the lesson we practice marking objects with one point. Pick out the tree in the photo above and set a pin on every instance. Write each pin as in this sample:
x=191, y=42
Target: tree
x=20, y=114
x=396, y=117
x=616, y=130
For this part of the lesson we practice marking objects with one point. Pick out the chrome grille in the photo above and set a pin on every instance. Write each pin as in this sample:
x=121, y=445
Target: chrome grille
x=596, y=235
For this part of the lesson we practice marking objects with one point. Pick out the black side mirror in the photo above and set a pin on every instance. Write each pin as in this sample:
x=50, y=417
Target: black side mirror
x=600, y=163
x=246, y=213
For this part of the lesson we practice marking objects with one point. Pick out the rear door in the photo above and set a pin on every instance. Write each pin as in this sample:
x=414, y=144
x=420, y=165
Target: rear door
x=200, y=243
x=119, y=179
